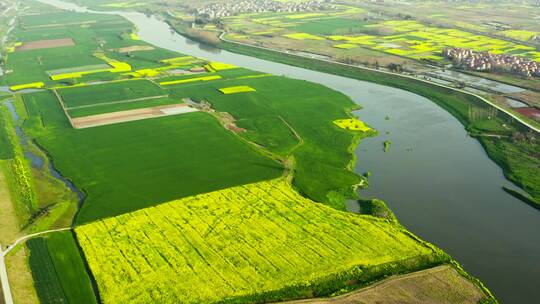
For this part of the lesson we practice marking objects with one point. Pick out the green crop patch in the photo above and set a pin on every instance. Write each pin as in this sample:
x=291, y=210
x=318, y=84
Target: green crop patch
x=109, y=93
x=255, y=243
x=45, y=277
x=301, y=107
x=58, y=270
x=128, y=166
x=6, y=147
x=60, y=19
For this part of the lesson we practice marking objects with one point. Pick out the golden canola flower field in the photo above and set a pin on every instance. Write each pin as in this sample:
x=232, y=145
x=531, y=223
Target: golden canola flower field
x=237, y=242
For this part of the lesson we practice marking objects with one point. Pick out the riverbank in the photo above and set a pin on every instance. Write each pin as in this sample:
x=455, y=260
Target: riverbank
x=462, y=105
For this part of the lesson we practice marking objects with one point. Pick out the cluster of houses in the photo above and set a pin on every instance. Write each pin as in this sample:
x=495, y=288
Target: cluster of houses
x=484, y=61
x=218, y=10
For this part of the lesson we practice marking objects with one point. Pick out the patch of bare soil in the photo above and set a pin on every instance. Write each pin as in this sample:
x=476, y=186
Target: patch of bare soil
x=130, y=115
x=45, y=44
x=439, y=285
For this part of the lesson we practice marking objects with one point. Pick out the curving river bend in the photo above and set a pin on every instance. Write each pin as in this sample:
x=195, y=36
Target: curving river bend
x=438, y=181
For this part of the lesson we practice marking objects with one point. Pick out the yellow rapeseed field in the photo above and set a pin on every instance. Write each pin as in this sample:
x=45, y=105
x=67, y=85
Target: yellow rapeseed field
x=33, y=85
x=345, y=46
x=205, y=78
x=219, y=66
x=237, y=89
x=352, y=124
x=303, y=36
x=236, y=242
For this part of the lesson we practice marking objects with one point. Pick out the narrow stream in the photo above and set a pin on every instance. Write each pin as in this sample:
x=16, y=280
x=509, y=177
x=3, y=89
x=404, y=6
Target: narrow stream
x=37, y=161
x=439, y=182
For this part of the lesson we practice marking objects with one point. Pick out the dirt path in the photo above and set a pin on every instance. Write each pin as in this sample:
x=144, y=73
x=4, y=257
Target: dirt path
x=438, y=285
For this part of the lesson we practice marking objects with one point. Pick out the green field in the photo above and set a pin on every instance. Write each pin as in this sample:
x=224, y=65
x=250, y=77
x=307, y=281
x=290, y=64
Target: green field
x=110, y=92
x=321, y=154
x=129, y=166
x=6, y=149
x=254, y=243
x=59, y=273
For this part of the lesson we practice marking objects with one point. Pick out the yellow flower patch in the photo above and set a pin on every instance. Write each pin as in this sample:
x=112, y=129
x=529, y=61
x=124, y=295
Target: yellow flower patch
x=237, y=89
x=219, y=66
x=303, y=36
x=206, y=78
x=33, y=85
x=352, y=124
x=345, y=46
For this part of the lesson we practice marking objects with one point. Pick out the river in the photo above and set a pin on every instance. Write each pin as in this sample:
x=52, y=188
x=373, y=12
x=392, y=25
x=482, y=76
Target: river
x=439, y=182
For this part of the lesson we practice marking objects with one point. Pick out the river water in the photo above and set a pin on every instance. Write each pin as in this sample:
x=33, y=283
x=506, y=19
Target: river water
x=438, y=181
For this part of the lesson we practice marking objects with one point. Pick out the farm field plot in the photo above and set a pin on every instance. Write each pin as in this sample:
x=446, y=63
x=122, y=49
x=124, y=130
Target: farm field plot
x=45, y=44
x=59, y=273
x=104, y=108
x=251, y=243
x=131, y=115
x=128, y=166
x=81, y=33
x=79, y=97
